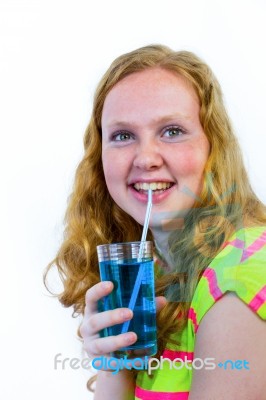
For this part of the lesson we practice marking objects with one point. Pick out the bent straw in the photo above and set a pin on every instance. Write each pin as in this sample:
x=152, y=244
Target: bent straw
x=136, y=288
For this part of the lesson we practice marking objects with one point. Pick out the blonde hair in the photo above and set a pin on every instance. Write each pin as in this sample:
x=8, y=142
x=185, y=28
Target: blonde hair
x=226, y=202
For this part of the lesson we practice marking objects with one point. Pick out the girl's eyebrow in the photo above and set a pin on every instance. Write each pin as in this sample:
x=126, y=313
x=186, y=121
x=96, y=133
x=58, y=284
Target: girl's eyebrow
x=114, y=124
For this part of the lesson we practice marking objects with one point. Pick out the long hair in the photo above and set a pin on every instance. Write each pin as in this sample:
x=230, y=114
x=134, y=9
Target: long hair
x=226, y=202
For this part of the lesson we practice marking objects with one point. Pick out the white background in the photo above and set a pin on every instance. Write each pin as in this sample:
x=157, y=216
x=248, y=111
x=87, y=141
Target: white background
x=52, y=54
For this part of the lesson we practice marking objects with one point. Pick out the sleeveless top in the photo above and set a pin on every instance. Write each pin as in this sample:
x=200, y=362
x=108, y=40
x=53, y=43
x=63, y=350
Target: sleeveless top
x=240, y=267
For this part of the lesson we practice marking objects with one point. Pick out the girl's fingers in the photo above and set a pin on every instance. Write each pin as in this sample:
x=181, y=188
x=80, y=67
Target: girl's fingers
x=98, y=321
x=95, y=321
x=101, y=289
x=95, y=293
x=160, y=302
x=100, y=346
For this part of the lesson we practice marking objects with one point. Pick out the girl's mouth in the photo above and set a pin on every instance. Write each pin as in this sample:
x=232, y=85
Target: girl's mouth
x=156, y=187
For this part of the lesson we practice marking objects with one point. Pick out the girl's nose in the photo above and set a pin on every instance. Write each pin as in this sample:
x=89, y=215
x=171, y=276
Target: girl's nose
x=148, y=157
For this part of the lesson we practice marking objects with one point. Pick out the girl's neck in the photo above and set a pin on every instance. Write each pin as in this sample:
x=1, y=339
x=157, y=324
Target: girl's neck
x=162, y=247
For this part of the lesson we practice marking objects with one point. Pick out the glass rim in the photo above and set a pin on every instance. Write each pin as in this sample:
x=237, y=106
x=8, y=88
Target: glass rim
x=131, y=250
x=124, y=243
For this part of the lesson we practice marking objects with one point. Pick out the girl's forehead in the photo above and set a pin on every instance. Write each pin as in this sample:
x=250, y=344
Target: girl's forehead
x=151, y=89
x=155, y=76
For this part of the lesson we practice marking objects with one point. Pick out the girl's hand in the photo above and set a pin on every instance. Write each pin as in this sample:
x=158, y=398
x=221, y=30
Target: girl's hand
x=95, y=321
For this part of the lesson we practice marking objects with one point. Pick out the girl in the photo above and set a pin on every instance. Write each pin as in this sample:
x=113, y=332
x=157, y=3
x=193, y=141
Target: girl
x=159, y=122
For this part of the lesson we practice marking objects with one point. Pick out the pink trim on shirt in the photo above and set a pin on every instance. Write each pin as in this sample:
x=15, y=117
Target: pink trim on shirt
x=214, y=289
x=183, y=355
x=143, y=394
x=193, y=317
x=258, y=300
x=254, y=247
x=238, y=243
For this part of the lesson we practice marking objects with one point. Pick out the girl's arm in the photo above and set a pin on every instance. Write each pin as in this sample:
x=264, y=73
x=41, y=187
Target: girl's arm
x=235, y=337
x=118, y=387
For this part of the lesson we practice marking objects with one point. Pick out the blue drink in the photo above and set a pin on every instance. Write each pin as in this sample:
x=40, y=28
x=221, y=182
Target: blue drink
x=123, y=273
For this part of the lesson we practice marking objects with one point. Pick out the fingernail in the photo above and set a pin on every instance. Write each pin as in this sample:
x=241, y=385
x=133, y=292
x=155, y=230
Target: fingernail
x=126, y=314
x=106, y=284
x=130, y=338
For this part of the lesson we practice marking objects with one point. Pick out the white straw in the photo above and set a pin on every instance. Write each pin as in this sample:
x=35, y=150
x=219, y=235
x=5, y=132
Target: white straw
x=136, y=288
x=146, y=225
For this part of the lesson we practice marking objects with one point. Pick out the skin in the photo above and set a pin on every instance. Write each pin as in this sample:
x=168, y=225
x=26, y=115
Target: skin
x=230, y=331
x=151, y=132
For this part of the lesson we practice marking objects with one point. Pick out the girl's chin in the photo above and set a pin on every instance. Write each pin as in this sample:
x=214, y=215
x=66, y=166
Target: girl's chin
x=154, y=223
x=165, y=221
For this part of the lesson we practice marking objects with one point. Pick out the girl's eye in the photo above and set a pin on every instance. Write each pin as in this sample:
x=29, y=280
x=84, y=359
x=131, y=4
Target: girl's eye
x=173, y=131
x=122, y=137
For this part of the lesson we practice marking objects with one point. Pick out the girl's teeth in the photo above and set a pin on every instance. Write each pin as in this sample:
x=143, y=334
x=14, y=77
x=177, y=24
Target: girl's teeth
x=159, y=186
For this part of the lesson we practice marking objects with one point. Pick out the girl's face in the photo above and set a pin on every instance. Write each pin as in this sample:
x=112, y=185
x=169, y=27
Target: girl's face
x=152, y=138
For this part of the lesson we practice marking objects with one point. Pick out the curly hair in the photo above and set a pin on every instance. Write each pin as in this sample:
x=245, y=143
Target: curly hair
x=226, y=203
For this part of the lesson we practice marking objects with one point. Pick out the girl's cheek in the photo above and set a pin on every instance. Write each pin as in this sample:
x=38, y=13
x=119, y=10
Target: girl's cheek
x=185, y=163
x=190, y=161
